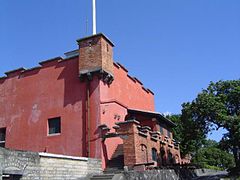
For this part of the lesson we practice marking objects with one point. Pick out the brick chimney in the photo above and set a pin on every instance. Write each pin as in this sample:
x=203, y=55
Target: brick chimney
x=96, y=55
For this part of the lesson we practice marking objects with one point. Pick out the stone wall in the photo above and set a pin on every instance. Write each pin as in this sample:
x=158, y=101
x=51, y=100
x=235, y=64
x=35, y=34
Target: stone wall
x=31, y=165
x=168, y=174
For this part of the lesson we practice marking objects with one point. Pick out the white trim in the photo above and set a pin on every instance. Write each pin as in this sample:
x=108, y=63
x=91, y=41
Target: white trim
x=54, y=134
x=42, y=154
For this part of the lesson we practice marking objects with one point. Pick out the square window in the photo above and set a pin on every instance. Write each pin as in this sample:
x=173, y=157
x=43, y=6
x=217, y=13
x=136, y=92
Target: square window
x=2, y=137
x=54, y=125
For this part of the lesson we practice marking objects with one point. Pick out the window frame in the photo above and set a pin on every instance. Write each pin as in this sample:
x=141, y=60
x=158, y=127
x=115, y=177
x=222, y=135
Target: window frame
x=56, y=128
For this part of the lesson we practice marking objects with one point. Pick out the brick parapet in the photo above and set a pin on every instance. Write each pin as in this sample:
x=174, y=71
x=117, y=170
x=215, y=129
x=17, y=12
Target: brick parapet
x=20, y=72
x=138, y=136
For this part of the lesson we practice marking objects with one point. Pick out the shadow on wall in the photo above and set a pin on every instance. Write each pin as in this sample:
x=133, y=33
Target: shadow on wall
x=74, y=90
x=117, y=159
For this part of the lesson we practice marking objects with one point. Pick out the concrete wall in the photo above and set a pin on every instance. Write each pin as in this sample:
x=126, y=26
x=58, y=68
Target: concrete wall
x=168, y=174
x=33, y=165
x=208, y=172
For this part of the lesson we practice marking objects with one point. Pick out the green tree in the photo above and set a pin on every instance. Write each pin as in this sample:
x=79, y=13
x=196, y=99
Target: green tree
x=210, y=156
x=188, y=133
x=215, y=107
x=206, y=153
x=210, y=143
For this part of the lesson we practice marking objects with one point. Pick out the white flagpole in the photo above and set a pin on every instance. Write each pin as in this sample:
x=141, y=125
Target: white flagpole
x=94, y=16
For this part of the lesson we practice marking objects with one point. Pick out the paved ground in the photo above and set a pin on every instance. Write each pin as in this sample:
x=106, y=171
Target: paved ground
x=210, y=176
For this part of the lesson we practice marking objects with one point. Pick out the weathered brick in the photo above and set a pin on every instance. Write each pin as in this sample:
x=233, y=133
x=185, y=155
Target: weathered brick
x=95, y=52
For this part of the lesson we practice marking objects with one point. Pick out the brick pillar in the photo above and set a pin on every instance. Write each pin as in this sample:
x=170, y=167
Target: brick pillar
x=127, y=132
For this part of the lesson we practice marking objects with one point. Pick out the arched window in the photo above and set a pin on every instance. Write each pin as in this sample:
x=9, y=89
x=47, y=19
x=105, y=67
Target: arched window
x=177, y=159
x=170, y=157
x=143, y=147
x=154, y=154
x=163, y=156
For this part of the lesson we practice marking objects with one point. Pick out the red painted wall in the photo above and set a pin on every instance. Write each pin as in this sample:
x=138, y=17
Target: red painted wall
x=29, y=100
x=111, y=113
x=127, y=91
x=123, y=93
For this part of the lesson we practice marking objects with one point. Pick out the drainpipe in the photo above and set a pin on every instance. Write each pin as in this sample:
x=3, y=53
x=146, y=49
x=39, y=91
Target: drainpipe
x=88, y=116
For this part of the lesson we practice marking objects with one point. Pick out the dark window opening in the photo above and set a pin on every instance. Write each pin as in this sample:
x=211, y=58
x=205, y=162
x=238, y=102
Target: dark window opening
x=54, y=125
x=2, y=137
x=170, y=157
x=169, y=134
x=11, y=177
x=154, y=154
x=161, y=130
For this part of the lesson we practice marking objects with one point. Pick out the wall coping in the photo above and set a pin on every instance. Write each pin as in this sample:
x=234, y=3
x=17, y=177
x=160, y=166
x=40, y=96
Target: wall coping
x=59, y=156
x=127, y=122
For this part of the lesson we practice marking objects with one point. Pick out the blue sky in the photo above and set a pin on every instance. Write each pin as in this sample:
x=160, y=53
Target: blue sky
x=175, y=47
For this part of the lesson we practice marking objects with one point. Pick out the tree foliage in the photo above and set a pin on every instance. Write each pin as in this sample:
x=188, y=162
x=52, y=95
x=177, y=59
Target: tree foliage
x=210, y=156
x=215, y=107
x=206, y=153
x=188, y=133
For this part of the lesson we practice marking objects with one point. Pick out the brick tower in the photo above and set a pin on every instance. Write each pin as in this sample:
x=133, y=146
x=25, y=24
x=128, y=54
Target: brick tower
x=96, y=55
